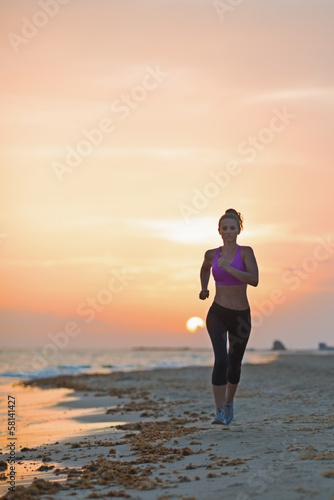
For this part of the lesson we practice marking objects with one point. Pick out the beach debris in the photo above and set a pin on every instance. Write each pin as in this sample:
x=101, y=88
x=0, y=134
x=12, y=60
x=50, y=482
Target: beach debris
x=109, y=494
x=98, y=442
x=68, y=471
x=89, y=383
x=293, y=447
x=149, y=408
x=184, y=479
x=328, y=473
x=304, y=490
x=3, y=465
x=192, y=466
x=313, y=455
x=127, y=474
x=43, y=467
x=75, y=445
x=148, y=433
x=212, y=475
x=34, y=491
x=225, y=462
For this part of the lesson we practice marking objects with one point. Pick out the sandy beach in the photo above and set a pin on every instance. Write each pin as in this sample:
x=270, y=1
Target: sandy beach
x=154, y=439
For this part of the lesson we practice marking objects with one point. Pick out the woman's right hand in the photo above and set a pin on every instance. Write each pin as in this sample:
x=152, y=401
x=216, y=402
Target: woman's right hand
x=204, y=294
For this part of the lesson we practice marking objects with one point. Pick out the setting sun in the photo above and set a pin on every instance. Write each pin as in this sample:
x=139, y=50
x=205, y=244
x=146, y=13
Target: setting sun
x=193, y=323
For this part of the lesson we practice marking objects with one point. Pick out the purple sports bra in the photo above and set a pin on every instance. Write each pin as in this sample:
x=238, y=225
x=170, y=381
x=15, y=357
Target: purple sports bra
x=221, y=276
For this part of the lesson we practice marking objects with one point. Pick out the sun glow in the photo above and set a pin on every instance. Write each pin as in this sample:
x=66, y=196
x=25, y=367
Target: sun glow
x=194, y=323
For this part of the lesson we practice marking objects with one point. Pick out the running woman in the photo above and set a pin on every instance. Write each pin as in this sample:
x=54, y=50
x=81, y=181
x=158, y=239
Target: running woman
x=233, y=268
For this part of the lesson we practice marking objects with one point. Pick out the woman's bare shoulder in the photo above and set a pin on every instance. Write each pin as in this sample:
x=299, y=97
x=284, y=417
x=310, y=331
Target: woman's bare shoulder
x=246, y=251
x=210, y=254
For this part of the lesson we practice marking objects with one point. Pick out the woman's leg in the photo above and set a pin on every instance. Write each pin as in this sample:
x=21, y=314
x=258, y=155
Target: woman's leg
x=218, y=335
x=219, y=392
x=238, y=338
x=239, y=331
x=231, y=389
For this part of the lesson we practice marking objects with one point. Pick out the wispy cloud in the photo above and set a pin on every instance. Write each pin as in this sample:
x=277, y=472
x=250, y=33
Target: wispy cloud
x=75, y=261
x=319, y=93
x=201, y=230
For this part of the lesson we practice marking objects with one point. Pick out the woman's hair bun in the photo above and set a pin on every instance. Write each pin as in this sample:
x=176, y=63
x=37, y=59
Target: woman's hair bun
x=231, y=212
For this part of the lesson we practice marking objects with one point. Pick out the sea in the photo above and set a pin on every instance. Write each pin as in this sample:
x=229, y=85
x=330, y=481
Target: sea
x=35, y=363
x=18, y=364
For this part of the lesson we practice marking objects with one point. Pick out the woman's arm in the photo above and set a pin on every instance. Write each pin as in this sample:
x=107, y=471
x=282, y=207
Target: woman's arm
x=249, y=277
x=205, y=274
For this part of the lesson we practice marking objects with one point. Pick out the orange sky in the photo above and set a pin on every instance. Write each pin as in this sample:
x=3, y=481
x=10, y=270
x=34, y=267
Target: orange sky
x=127, y=129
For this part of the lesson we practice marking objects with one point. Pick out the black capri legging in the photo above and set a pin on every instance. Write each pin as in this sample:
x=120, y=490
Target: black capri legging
x=219, y=321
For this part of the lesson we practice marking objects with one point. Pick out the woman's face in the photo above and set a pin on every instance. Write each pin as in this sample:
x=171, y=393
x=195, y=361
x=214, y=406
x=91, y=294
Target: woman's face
x=229, y=229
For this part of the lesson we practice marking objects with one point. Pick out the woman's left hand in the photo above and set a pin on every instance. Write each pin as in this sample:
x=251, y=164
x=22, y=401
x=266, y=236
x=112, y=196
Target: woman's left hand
x=223, y=264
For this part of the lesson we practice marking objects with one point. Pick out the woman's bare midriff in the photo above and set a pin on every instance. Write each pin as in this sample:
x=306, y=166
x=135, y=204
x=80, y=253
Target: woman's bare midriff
x=232, y=297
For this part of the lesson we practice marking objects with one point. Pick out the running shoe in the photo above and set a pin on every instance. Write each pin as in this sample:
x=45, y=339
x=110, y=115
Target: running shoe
x=220, y=417
x=228, y=413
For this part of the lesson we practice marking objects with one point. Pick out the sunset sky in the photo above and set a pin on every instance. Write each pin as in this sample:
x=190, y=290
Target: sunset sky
x=128, y=127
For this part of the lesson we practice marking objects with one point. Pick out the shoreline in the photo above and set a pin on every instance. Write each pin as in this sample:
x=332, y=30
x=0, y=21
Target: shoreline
x=156, y=440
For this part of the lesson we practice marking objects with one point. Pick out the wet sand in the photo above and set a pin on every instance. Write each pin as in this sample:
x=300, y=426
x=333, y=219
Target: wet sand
x=153, y=438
